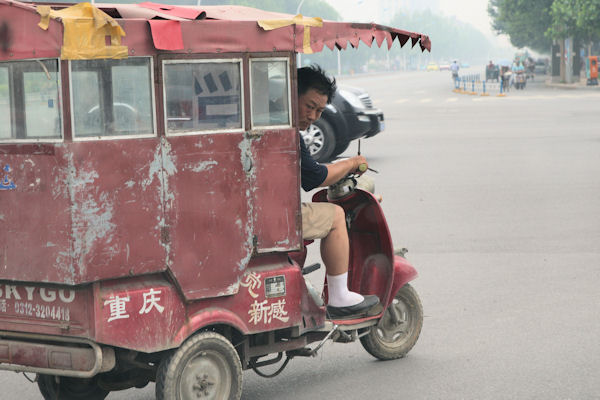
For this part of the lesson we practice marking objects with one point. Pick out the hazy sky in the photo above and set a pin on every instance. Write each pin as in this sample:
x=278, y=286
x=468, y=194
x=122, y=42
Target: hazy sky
x=473, y=12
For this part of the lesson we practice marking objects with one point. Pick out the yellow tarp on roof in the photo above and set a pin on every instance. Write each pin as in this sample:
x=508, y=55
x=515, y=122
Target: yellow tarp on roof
x=307, y=22
x=85, y=32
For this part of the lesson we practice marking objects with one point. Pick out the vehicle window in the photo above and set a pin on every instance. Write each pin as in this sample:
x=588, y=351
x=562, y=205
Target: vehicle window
x=270, y=100
x=29, y=100
x=4, y=104
x=112, y=97
x=203, y=96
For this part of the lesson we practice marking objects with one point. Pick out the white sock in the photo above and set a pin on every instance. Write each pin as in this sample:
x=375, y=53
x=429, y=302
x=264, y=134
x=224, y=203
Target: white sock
x=338, y=293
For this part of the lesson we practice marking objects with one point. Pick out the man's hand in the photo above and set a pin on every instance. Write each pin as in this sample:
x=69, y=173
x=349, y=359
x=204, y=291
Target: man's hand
x=360, y=160
x=340, y=169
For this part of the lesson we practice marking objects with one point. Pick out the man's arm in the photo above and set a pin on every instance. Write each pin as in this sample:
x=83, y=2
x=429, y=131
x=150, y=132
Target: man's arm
x=340, y=169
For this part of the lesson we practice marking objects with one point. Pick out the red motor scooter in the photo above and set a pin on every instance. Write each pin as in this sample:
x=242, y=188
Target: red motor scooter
x=375, y=268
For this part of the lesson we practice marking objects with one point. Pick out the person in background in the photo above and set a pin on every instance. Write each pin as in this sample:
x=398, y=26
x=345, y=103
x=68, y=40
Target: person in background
x=454, y=67
x=490, y=72
x=505, y=75
x=517, y=66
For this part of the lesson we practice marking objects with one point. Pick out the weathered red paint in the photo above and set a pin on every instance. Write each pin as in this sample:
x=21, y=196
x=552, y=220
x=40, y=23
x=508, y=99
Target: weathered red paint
x=47, y=309
x=24, y=39
x=218, y=33
x=139, y=242
x=151, y=316
x=404, y=272
x=276, y=188
x=208, y=201
x=238, y=310
x=47, y=356
x=83, y=211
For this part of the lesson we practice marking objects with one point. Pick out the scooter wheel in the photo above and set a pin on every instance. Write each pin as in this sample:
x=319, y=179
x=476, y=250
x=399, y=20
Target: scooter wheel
x=399, y=327
x=205, y=366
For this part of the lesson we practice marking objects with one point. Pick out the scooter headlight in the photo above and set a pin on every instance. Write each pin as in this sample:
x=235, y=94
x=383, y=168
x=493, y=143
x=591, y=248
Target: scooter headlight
x=341, y=189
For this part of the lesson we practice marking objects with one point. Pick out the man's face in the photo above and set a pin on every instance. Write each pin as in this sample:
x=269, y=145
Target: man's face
x=310, y=106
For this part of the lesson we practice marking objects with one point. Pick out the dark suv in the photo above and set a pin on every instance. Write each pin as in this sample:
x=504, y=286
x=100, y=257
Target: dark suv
x=349, y=116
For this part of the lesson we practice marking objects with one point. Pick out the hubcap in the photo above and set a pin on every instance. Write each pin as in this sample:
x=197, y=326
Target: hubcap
x=395, y=323
x=313, y=139
x=206, y=377
x=202, y=385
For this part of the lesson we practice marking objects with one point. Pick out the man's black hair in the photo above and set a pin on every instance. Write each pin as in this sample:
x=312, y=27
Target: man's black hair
x=313, y=77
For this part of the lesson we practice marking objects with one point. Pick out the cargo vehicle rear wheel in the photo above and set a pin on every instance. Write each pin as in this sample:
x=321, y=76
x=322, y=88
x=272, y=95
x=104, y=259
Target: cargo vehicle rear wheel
x=206, y=366
x=399, y=327
x=65, y=388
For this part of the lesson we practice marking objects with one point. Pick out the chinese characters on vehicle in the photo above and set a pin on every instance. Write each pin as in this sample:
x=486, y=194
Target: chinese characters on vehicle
x=267, y=310
x=118, y=305
x=252, y=282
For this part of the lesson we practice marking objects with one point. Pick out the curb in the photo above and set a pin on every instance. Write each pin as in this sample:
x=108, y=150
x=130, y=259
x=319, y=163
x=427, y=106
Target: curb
x=571, y=86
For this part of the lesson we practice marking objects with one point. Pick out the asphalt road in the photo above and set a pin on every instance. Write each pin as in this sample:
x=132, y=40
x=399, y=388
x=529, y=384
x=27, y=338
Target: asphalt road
x=498, y=201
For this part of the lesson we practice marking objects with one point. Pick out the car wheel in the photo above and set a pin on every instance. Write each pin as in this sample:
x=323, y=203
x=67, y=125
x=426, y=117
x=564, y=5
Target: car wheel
x=340, y=148
x=319, y=139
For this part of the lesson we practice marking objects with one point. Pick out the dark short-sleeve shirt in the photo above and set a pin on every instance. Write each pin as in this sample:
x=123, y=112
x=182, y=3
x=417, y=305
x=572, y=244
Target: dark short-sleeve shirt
x=312, y=173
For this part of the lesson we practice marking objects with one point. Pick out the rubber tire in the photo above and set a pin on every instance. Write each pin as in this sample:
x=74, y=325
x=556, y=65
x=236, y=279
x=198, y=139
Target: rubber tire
x=406, y=301
x=325, y=154
x=70, y=388
x=210, y=351
x=340, y=147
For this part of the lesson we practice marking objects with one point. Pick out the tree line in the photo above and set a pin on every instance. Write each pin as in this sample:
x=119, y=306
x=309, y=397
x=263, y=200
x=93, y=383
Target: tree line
x=451, y=38
x=537, y=23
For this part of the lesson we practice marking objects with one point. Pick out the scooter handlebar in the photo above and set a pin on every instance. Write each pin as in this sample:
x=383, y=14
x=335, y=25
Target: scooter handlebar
x=364, y=167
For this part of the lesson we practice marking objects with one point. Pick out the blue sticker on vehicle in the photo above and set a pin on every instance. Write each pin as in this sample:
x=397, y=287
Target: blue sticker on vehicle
x=6, y=183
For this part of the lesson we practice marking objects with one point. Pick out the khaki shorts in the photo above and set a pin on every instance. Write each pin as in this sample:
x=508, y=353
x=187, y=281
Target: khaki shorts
x=317, y=220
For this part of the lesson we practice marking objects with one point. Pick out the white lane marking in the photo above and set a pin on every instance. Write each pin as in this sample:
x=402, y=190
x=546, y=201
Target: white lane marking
x=400, y=101
x=428, y=100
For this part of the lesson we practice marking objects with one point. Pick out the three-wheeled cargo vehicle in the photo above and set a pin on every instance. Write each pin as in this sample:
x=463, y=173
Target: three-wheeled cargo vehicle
x=149, y=201
x=492, y=73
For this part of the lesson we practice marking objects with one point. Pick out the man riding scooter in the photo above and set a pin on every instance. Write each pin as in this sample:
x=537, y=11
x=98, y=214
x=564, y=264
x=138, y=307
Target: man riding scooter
x=519, y=74
x=326, y=221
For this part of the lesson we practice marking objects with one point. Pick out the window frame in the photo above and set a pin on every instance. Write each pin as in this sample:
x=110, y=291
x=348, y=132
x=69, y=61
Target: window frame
x=60, y=104
x=289, y=92
x=154, y=133
x=242, y=107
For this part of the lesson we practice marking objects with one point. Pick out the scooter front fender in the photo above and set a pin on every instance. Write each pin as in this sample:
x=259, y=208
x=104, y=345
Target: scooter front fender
x=404, y=272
